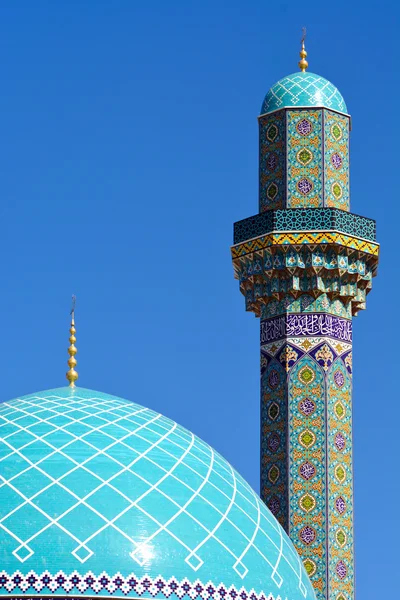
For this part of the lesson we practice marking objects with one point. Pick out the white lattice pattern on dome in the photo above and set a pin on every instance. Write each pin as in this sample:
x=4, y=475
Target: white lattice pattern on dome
x=85, y=455
x=304, y=89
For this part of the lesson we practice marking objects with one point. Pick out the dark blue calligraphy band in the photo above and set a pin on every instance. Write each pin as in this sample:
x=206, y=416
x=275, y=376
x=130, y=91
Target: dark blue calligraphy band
x=299, y=325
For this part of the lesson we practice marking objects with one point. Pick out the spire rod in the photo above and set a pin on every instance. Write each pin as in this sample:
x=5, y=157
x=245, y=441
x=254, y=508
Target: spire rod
x=72, y=375
x=303, y=64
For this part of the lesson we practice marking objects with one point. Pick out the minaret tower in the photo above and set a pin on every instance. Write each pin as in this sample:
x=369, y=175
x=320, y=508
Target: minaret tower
x=305, y=265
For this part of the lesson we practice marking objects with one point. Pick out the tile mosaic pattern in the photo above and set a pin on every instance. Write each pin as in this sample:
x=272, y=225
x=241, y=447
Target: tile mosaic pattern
x=340, y=481
x=304, y=156
x=313, y=353
x=297, y=237
x=336, y=162
x=303, y=305
x=274, y=475
x=304, y=219
x=307, y=464
x=311, y=166
x=272, y=165
x=303, y=89
x=101, y=495
x=280, y=268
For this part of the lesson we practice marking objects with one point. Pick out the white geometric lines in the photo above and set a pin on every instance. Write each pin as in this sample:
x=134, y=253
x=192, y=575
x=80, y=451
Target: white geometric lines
x=302, y=578
x=58, y=481
x=303, y=90
x=302, y=588
x=23, y=552
x=82, y=553
x=139, y=548
x=275, y=575
x=112, y=485
x=238, y=566
x=224, y=516
x=182, y=510
x=127, y=468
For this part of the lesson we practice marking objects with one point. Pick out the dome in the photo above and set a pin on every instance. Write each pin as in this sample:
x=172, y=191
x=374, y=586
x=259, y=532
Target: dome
x=99, y=495
x=303, y=89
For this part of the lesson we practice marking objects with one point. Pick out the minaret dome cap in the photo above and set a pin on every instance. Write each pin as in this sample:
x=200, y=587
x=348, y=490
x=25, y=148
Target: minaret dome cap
x=303, y=89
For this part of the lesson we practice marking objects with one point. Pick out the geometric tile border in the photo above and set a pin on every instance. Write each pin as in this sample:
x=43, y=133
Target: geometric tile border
x=116, y=585
x=295, y=238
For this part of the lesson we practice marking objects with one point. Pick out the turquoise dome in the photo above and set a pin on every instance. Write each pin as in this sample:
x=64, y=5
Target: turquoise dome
x=303, y=89
x=101, y=496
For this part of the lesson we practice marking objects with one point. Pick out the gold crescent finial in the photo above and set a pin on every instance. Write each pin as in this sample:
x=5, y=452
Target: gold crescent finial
x=303, y=64
x=72, y=375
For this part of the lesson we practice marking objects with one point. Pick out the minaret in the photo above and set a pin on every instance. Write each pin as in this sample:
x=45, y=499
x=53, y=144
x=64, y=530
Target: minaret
x=305, y=265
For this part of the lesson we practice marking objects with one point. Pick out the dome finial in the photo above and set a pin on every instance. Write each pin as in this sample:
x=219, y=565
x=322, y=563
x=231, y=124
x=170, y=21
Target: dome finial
x=72, y=375
x=303, y=64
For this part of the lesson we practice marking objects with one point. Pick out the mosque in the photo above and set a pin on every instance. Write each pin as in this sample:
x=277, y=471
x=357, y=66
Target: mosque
x=102, y=497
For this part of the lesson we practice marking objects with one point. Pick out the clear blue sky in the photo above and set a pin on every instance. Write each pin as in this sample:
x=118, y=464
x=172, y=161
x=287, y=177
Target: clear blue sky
x=129, y=145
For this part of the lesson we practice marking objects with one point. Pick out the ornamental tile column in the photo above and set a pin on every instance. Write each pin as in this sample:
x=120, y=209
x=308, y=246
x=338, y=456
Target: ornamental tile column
x=305, y=266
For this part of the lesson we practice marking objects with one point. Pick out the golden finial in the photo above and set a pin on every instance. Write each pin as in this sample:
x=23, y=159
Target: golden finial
x=303, y=64
x=72, y=375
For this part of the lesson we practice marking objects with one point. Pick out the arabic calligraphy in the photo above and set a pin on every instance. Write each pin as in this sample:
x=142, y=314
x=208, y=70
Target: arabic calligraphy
x=305, y=325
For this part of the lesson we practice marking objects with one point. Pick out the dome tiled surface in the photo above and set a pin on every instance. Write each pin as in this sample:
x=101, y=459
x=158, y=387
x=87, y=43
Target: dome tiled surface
x=303, y=89
x=99, y=495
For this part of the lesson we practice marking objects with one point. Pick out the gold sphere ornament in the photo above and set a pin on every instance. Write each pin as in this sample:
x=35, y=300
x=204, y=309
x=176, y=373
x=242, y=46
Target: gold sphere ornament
x=303, y=64
x=72, y=362
x=72, y=375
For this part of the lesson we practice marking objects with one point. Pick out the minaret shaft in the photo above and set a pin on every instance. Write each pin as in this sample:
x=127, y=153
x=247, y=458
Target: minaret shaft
x=306, y=441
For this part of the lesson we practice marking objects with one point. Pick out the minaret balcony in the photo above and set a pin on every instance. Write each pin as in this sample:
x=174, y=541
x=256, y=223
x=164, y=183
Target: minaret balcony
x=298, y=255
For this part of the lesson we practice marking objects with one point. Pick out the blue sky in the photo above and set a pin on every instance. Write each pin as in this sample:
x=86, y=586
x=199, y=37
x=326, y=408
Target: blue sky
x=129, y=143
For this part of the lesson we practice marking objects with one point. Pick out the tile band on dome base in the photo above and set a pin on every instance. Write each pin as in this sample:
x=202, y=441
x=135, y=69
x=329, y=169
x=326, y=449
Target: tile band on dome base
x=116, y=586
